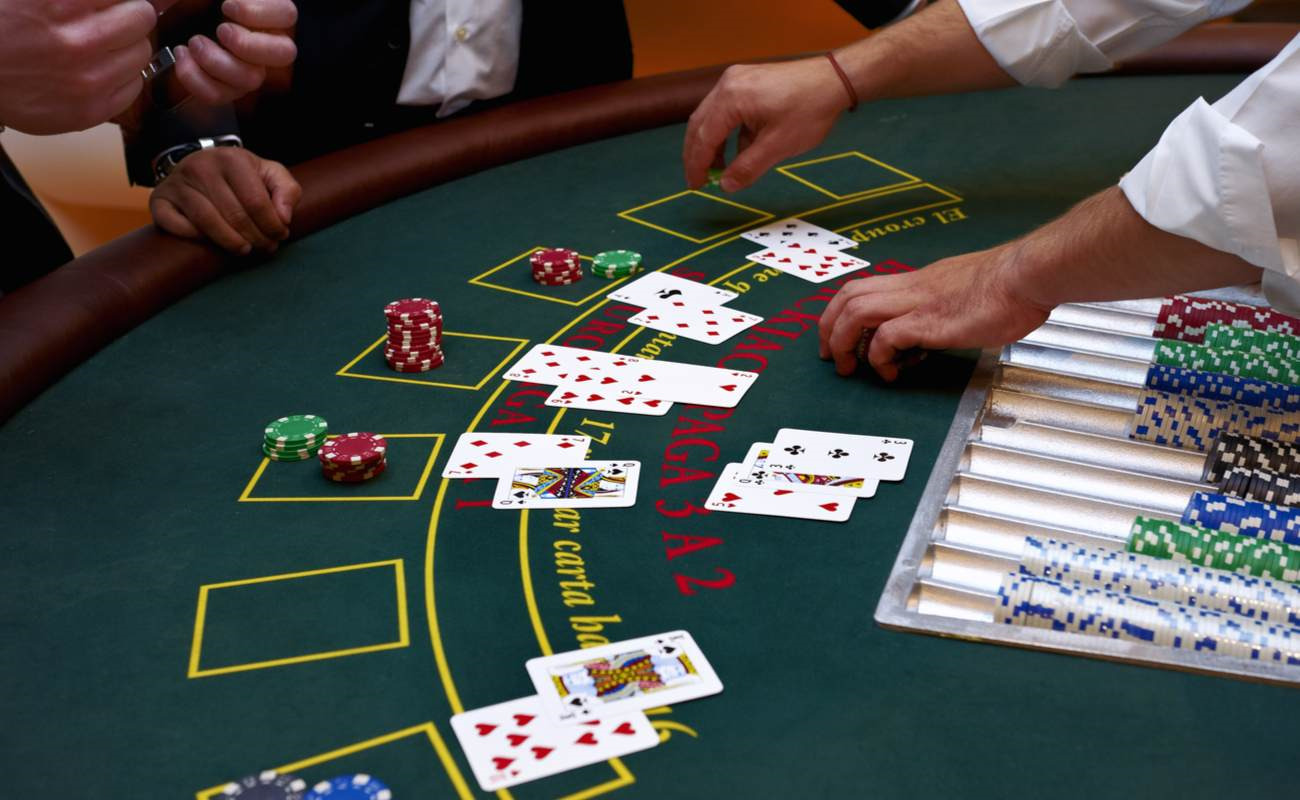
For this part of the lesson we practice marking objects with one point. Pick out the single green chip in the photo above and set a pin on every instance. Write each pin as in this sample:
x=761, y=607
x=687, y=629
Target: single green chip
x=297, y=428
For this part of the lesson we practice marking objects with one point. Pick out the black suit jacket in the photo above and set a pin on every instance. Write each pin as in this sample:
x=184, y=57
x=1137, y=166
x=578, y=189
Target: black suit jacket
x=351, y=57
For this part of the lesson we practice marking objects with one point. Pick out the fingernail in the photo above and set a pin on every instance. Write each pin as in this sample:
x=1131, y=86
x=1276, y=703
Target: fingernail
x=196, y=42
x=729, y=185
x=227, y=27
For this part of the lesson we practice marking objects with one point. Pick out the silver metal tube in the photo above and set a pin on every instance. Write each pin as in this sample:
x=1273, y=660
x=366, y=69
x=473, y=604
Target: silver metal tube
x=1059, y=475
x=1088, y=340
x=1038, y=506
x=1125, y=371
x=1105, y=319
x=1101, y=451
x=1074, y=388
x=1019, y=407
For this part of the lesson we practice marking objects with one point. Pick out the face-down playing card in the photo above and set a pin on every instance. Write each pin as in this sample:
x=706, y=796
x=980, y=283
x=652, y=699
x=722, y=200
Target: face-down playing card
x=630, y=675
x=590, y=484
x=732, y=494
x=514, y=742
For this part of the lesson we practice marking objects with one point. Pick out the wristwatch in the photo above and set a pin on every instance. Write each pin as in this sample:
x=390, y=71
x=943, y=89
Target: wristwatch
x=166, y=161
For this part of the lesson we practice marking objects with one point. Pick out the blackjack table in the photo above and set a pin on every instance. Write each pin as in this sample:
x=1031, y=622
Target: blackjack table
x=179, y=611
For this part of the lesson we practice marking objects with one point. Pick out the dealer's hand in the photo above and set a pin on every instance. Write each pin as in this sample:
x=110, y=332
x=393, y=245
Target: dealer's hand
x=229, y=195
x=781, y=110
x=967, y=301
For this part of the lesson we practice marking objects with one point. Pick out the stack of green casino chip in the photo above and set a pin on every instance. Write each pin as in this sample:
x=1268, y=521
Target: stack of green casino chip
x=1245, y=555
x=1260, y=366
x=1228, y=337
x=615, y=264
x=294, y=438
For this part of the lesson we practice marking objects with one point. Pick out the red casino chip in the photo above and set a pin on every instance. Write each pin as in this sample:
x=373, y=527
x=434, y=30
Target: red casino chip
x=353, y=448
x=415, y=309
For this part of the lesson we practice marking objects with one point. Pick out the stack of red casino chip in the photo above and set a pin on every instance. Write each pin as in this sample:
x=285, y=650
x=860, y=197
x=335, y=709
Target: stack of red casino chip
x=353, y=457
x=1183, y=317
x=414, y=335
x=556, y=266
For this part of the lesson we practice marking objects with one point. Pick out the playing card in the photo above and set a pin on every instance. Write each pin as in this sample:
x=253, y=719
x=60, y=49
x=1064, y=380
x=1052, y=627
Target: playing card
x=589, y=484
x=731, y=494
x=817, y=265
x=758, y=473
x=513, y=742
x=495, y=455
x=710, y=324
x=658, y=289
x=622, y=676
x=668, y=380
x=571, y=396
x=554, y=364
x=822, y=452
x=797, y=234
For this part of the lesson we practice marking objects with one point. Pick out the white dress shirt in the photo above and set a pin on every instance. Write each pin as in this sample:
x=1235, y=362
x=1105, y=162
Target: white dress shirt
x=1225, y=174
x=461, y=51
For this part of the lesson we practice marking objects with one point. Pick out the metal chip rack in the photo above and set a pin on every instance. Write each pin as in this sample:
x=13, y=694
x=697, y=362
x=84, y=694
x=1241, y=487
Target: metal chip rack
x=1039, y=447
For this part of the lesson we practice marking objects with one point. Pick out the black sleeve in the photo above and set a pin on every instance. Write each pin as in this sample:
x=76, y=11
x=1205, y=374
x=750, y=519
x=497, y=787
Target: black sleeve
x=190, y=121
x=187, y=123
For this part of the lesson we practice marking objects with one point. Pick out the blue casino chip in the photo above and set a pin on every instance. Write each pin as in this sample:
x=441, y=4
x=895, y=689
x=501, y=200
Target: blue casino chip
x=350, y=787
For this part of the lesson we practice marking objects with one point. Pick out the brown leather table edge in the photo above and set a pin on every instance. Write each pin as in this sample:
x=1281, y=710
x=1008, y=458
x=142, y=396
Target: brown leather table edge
x=55, y=323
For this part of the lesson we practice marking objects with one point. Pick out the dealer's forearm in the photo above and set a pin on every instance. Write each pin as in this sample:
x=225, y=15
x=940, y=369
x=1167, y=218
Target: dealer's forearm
x=934, y=52
x=1104, y=250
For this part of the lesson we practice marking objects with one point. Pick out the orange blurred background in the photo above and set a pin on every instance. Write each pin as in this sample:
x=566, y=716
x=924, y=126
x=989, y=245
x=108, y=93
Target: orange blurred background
x=82, y=181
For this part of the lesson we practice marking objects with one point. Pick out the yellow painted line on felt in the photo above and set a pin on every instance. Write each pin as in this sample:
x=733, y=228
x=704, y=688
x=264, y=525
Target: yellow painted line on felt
x=628, y=214
x=200, y=618
x=428, y=728
x=625, y=775
x=415, y=495
x=346, y=371
x=430, y=607
x=788, y=171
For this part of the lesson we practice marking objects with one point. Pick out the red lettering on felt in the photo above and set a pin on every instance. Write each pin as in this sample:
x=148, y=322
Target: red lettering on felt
x=682, y=475
x=680, y=513
x=515, y=399
x=689, y=544
x=671, y=451
x=686, y=584
x=697, y=427
x=506, y=416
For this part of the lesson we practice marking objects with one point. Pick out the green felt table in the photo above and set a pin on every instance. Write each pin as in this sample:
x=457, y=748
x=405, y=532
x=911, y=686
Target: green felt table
x=176, y=612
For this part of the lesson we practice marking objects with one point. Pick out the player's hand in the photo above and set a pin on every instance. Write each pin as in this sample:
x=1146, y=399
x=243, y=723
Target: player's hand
x=255, y=36
x=781, y=110
x=229, y=195
x=966, y=301
x=67, y=65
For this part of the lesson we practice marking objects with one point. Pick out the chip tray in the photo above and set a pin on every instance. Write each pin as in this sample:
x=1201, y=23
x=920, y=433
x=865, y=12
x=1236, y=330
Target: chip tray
x=1039, y=446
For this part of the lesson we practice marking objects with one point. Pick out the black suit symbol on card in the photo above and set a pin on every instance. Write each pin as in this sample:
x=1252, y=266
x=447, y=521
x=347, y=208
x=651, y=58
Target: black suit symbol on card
x=838, y=453
x=794, y=449
x=664, y=294
x=882, y=457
